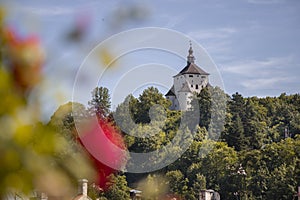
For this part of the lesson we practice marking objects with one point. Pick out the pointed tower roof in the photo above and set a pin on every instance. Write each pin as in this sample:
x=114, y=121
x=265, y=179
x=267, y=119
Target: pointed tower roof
x=191, y=67
x=190, y=57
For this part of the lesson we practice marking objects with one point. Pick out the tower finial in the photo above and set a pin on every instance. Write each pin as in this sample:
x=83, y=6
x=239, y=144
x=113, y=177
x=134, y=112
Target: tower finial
x=190, y=57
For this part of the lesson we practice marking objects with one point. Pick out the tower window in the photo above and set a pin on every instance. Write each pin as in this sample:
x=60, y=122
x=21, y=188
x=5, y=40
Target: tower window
x=191, y=85
x=203, y=76
x=191, y=76
x=196, y=87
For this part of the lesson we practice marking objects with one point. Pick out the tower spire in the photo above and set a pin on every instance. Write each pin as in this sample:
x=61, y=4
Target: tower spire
x=190, y=57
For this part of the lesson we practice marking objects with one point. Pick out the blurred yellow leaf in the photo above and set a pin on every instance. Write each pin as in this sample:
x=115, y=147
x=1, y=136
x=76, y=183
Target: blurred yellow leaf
x=154, y=186
x=11, y=159
x=2, y=14
x=106, y=57
x=23, y=135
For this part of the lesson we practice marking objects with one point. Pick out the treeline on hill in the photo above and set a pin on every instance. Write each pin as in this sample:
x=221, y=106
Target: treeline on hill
x=241, y=147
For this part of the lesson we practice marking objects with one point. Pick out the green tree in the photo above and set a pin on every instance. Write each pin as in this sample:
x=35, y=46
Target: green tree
x=218, y=113
x=197, y=181
x=204, y=101
x=117, y=188
x=200, y=134
x=149, y=98
x=148, y=138
x=100, y=103
x=65, y=118
x=124, y=114
x=233, y=133
x=282, y=183
x=212, y=110
x=271, y=178
x=237, y=103
x=176, y=181
x=255, y=127
x=237, y=137
x=216, y=168
x=256, y=171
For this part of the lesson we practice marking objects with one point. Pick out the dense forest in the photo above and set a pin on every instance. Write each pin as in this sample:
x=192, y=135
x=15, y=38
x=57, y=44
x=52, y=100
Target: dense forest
x=242, y=147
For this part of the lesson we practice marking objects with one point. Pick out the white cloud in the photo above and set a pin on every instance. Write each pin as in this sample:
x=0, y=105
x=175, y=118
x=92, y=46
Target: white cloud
x=170, y=20
x=264, y=83
x=258, y=67
x=271, y=73
x=218, y=33
x=216, y=41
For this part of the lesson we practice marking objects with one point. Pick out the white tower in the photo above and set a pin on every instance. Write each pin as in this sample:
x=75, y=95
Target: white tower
x=82, y=190
x=191, y=79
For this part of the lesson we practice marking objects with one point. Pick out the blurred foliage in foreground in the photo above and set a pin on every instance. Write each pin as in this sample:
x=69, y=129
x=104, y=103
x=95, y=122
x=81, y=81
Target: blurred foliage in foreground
x=32, y=155
x=261, y=135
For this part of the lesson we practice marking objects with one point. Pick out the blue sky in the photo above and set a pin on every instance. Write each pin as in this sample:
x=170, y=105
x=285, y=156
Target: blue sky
x=255, y=44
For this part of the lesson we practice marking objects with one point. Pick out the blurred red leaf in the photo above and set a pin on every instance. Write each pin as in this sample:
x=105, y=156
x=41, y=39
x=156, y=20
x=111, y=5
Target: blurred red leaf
x=106, y=147
x=25, y=58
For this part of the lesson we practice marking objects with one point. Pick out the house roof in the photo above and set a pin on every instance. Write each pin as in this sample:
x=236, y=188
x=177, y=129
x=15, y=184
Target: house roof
x=192, y=68
x=171, y=92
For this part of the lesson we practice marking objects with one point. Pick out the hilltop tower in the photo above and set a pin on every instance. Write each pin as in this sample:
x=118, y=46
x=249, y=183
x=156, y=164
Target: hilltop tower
x=191, y=79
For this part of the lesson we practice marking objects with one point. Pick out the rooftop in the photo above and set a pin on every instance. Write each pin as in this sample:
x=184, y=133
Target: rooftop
x=191, y=67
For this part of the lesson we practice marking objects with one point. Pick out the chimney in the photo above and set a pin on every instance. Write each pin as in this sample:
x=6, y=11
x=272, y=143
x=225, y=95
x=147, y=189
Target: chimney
x=82, y=187
x=42, y=196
